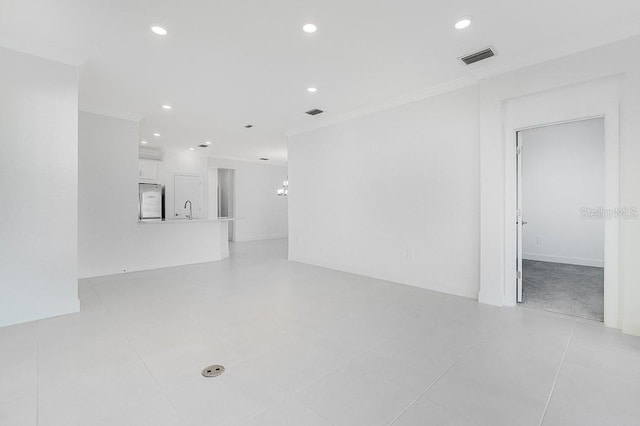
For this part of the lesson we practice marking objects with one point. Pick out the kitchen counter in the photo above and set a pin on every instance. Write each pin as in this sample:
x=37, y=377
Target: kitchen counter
x=178, y=221
x=182, y=241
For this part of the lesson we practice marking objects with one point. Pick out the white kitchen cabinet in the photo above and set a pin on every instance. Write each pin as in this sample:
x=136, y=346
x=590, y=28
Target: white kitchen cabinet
x=149, y=170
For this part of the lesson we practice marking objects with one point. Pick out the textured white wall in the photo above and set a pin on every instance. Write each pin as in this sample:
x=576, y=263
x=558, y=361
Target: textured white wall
x=563, y=173
x=38, y=175
x=393, y=195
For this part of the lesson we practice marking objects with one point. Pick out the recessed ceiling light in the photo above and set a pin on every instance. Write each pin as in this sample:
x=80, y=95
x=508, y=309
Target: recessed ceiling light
x=192, y=149
x=462, y=23
x=157, y=135
x=207, y=143
x=309, y=28
x=167, y=106
x=144, y=142
x=158, y=30
x=312, y=90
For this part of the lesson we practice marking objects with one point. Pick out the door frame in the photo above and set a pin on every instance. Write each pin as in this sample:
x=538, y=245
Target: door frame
x=557, y=107
x=520, y=214
x=232, y=201
x=519, y=219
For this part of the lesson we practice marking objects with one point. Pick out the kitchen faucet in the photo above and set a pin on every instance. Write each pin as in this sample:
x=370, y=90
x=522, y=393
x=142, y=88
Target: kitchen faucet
x=190, y=215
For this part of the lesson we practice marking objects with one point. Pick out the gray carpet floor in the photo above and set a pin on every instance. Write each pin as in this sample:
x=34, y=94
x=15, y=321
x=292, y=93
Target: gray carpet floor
x=566, y=289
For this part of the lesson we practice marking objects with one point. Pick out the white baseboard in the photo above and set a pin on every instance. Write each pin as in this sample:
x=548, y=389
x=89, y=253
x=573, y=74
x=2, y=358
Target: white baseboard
x=261, y=237
x=379, y=275
x=491, y=298
x=60, y=307
x=631, y=327
x=560, y=259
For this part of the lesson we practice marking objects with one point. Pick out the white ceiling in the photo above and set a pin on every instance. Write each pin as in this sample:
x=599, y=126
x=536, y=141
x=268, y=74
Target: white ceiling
x=228, y=63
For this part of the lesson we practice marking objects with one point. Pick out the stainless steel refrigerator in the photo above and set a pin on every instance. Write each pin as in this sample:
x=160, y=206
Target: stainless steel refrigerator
x=150, y=202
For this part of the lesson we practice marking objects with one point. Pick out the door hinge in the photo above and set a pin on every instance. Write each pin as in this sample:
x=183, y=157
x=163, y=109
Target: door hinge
x=519, y=275
x=518, y=150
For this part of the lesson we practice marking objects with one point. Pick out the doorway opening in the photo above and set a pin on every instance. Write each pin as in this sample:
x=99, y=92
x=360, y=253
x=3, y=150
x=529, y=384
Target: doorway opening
x=226, y=198
x=560, y=218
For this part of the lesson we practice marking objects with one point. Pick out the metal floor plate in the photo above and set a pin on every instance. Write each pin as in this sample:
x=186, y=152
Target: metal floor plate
x=213, y=371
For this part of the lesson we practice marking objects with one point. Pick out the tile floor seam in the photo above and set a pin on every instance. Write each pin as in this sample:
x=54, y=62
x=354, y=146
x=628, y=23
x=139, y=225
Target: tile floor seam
x=170, y=389
x=623, y=351
x=298, y=400
x=93, y=289
x=314, y=411
x=473, y=421
x=475, y=342
x=174, y=388
x=253, y=416
x=228, y=367
x=112, y=317
x=344, y=363
x=102, y=302
x=182, y=420
x=340, y=366
x=112, y=305
x=555, y=380
x=108, y=309
x=607, y=375
x=557, y=314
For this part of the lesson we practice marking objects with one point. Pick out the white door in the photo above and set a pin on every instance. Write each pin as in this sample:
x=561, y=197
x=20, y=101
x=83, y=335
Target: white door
x=188, y=188
x=519, y=216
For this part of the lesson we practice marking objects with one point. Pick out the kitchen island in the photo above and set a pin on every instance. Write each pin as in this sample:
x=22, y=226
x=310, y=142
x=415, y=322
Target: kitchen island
x=181, y=242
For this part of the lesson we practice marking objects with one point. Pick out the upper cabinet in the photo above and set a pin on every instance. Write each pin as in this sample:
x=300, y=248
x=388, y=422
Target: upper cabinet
x=149, y=170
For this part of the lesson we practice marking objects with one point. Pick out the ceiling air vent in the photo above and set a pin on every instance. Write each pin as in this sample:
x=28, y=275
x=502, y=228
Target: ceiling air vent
x=478, y=56
x=314, y=111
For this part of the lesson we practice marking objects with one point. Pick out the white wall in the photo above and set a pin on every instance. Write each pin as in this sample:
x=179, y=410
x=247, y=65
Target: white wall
x=393, y=195
x=261, y=213
x=575, y=78
x=562, y=174
x=371, y=184
x=110, y=239
x=108, y=197
x=38, y=175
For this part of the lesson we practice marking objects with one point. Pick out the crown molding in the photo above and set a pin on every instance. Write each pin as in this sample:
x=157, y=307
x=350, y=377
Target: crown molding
x=419, y=95
x=124, y=115
x=480, y=72
x=50, y=53
x=274, y=163
x=569, y=47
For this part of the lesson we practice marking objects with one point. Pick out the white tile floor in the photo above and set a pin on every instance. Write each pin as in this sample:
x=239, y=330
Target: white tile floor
x=307, y=346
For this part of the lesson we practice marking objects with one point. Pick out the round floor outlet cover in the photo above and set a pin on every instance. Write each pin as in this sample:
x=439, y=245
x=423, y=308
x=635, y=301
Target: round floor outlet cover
x=213, y=371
